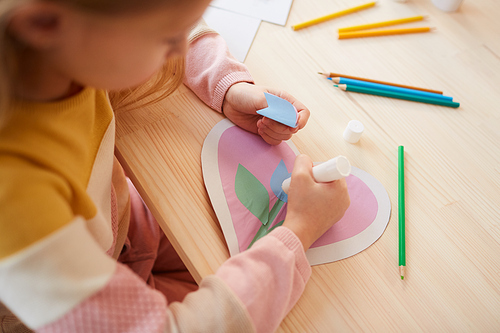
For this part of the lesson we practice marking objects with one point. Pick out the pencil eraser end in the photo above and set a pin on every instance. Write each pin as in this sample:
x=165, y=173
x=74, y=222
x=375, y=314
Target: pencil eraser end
x=353, y=131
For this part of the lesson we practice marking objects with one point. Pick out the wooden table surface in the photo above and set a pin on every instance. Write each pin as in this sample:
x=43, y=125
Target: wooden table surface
x=452, y=164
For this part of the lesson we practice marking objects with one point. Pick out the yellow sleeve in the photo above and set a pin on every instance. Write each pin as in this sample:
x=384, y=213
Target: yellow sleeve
x=34, y=202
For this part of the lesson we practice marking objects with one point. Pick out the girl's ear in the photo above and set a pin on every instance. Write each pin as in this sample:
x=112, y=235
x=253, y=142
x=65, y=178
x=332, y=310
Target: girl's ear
x=37, y=24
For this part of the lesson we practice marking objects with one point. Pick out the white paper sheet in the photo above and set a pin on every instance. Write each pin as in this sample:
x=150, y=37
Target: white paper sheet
x=237, y=30
x=273, y=11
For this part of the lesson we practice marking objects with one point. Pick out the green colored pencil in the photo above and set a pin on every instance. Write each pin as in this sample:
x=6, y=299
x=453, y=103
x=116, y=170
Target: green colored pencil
x=378, y=92
x=401, y=205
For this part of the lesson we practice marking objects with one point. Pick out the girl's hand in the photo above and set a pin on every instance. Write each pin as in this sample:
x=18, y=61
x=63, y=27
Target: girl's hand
x=313, y=207
x=243, y=100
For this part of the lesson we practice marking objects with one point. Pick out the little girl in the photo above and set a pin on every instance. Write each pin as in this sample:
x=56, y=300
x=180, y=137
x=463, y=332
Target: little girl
x=79, y=251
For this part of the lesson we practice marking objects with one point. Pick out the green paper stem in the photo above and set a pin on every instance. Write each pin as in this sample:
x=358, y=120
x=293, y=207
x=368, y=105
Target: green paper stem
x=260, y=233
x=276, y=209
x=263, y=228
x=276, y=225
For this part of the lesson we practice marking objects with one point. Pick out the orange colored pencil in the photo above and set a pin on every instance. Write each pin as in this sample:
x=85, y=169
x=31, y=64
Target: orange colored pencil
x=386, y=32
x=382, y=24
x=377, y=81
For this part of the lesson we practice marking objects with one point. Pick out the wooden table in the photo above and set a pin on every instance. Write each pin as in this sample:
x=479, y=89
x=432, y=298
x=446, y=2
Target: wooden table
x=452, y=165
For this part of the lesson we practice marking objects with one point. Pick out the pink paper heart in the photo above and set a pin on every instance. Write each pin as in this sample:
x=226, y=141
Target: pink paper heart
x=234, y=146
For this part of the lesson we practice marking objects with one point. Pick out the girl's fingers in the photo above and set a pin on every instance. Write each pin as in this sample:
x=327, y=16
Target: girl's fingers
x=269, y=139
x=302, y=167
x=302, y=110
x=277, y=127
x=271, y=136
x=303, y=117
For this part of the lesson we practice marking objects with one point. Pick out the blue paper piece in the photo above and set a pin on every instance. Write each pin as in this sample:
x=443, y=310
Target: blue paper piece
x=277, y=178
x=279, y=110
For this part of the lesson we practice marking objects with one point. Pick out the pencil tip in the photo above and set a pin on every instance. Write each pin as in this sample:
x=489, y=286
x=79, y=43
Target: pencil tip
x=402, y=278
x=329, y=78
x=336, y=85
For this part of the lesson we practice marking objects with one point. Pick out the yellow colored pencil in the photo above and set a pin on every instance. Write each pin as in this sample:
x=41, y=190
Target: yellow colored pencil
x=372, y=33
x=382, y=24
x=332, y=16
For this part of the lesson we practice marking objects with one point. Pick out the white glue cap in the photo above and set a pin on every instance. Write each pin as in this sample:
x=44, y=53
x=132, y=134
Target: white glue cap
x=353, y=131
x=447, y=5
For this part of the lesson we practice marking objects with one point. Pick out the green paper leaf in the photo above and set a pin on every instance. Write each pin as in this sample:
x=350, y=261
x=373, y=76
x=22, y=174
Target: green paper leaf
x=252, y=194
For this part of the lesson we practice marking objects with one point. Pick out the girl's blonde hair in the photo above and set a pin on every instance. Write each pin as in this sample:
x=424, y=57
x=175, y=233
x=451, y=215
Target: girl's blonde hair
x=166, y=81
x=162, y=84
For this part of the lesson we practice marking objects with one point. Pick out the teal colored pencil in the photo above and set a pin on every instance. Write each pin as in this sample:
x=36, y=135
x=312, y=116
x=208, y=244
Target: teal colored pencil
x=371, y=91
x=401, y=205
x=372, y=85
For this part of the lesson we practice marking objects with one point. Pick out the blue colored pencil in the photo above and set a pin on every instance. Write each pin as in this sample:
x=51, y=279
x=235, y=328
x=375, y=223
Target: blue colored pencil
x=359, y=83
x=393, y=94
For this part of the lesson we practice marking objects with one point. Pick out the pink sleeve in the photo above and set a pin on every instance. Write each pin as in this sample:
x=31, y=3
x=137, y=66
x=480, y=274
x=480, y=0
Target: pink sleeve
x=128, y=304
x=253, y=290
x=268, y=278
x=125, y=304
x=211, y=70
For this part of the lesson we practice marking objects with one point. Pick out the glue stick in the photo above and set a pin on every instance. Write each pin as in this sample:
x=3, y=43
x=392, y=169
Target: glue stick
x=336, y=168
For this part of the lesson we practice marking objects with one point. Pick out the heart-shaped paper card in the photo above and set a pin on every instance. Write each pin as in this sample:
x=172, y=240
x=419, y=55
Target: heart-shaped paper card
x=243, y=176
